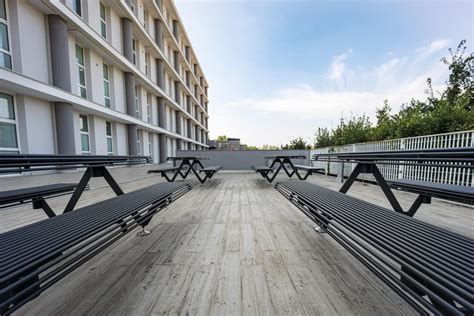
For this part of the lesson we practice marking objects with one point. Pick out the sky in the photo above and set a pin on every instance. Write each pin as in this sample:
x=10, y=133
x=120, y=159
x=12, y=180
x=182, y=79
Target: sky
x=279, y=69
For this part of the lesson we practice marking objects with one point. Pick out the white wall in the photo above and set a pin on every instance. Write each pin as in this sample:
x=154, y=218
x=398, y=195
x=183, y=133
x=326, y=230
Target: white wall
x=30, y=53
x=35, y=125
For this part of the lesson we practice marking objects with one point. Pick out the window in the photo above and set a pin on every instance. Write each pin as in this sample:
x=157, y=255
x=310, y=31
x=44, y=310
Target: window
x=134, y=51
x=85, y=145
x=103, y=22
x=5, y=54
x=150, y=145
x=145, y=20
x=147, y=64
x=139, y=150
x=137, y=104
x=8, y=138
x=77, y=7
x=81, y=71
x=108, y=135
x=148, y=108
x=105, y=70
x=131, y=4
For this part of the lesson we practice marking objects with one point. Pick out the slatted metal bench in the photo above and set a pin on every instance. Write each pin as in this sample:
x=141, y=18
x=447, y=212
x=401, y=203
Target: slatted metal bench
x=430, y=267
x=264, y=171
x=164, y=173
x=210, y=171
x=36, y=195
x=426, y=190
x=309, y=171
x=34, y=257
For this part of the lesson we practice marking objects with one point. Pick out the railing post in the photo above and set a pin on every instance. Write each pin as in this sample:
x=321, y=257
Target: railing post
x=401, y=168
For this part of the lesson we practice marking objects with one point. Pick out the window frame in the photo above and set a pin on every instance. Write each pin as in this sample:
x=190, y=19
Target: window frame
x=86, y=133
x=139, y=149
x=79, y=67
x=106, y=81
x=148, y=108
x=147, y=64
x=109, y=138
x=2, y=50
x=137, y=102
x=77, y=4
x=134, y=52
x=103, y=20
x=14, y=123
x=150, y=146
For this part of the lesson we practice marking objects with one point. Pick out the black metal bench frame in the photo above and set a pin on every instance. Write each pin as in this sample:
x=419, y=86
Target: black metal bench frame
x=186, y=166
x=37, y=196
x=429, y=267
x=283, y=162
x=36, y=256
x=366, y=162
x=95, y=166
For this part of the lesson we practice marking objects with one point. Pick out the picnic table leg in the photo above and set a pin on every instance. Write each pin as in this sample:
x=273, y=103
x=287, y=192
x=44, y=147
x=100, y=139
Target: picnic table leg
x=352, y=177
x=111, y=181
x=201, y=180
x=275, y=173
x=386, y=189
x=79, y=189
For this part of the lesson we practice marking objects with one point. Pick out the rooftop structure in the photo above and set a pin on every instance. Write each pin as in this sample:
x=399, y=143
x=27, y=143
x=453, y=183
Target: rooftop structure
x=232, y=246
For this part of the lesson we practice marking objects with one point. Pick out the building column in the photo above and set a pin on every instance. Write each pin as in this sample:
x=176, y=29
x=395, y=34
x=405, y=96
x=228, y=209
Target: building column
x=160, y=73
x=188, y=122
x=177, y=92
x=179, y=130
x=176, y=30
x=176, y=61
x=127, y=38
x=159, y=34
x=61, y=75
x=163, y=148
x=189, y=103
x=162, y=123
x=132, y=129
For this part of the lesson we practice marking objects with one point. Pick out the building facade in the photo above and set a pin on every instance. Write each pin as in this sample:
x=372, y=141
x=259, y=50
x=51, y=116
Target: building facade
x=116, y=77
x=229, y=144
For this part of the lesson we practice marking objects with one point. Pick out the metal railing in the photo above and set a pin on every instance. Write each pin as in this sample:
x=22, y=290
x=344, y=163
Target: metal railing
x=449, y=174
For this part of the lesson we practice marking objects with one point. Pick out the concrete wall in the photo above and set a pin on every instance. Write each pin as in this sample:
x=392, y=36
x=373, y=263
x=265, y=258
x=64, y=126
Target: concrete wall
x=242, y=159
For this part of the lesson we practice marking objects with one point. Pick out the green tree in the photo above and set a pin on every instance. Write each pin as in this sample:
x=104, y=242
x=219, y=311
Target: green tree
x=221, y=138
x=270, y=147
x=297, y=143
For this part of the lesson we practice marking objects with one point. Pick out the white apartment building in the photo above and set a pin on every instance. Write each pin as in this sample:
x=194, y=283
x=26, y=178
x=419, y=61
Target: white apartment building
x=117, y=77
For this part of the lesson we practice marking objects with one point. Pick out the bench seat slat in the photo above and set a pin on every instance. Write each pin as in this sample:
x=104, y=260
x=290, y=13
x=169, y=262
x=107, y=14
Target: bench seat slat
x=67, y=229
x=442, y=190
x=35, y=192
x=302, y=167
x=211, y=169
x=441, y=256
x=262, y=168
x=164, y=170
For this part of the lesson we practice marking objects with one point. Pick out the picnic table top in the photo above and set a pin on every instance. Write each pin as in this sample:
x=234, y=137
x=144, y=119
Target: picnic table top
x=286, y=157
x=187, y=158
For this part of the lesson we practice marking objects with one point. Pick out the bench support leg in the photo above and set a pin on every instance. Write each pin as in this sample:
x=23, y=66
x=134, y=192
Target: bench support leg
x=111, y=181
x=386, y=189
x=143, y=232
x=78, y=192
x=420, y=199
x=353, y=176
x=42, y=204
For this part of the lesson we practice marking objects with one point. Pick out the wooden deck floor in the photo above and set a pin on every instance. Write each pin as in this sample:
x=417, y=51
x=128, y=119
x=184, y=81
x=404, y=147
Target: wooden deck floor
x=233, y=246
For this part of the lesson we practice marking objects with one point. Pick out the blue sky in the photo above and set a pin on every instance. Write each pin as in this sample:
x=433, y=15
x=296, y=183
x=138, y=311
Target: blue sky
x=280, y=69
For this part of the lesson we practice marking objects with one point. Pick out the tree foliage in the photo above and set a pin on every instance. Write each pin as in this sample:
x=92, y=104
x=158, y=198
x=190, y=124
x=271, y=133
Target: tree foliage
x=297, y=143
x=221, y=138
x=448, y=111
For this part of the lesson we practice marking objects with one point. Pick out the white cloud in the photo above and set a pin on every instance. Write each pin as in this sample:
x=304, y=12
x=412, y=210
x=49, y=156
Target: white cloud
x=337, y=71
x=432, y=48
x=301, y=109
